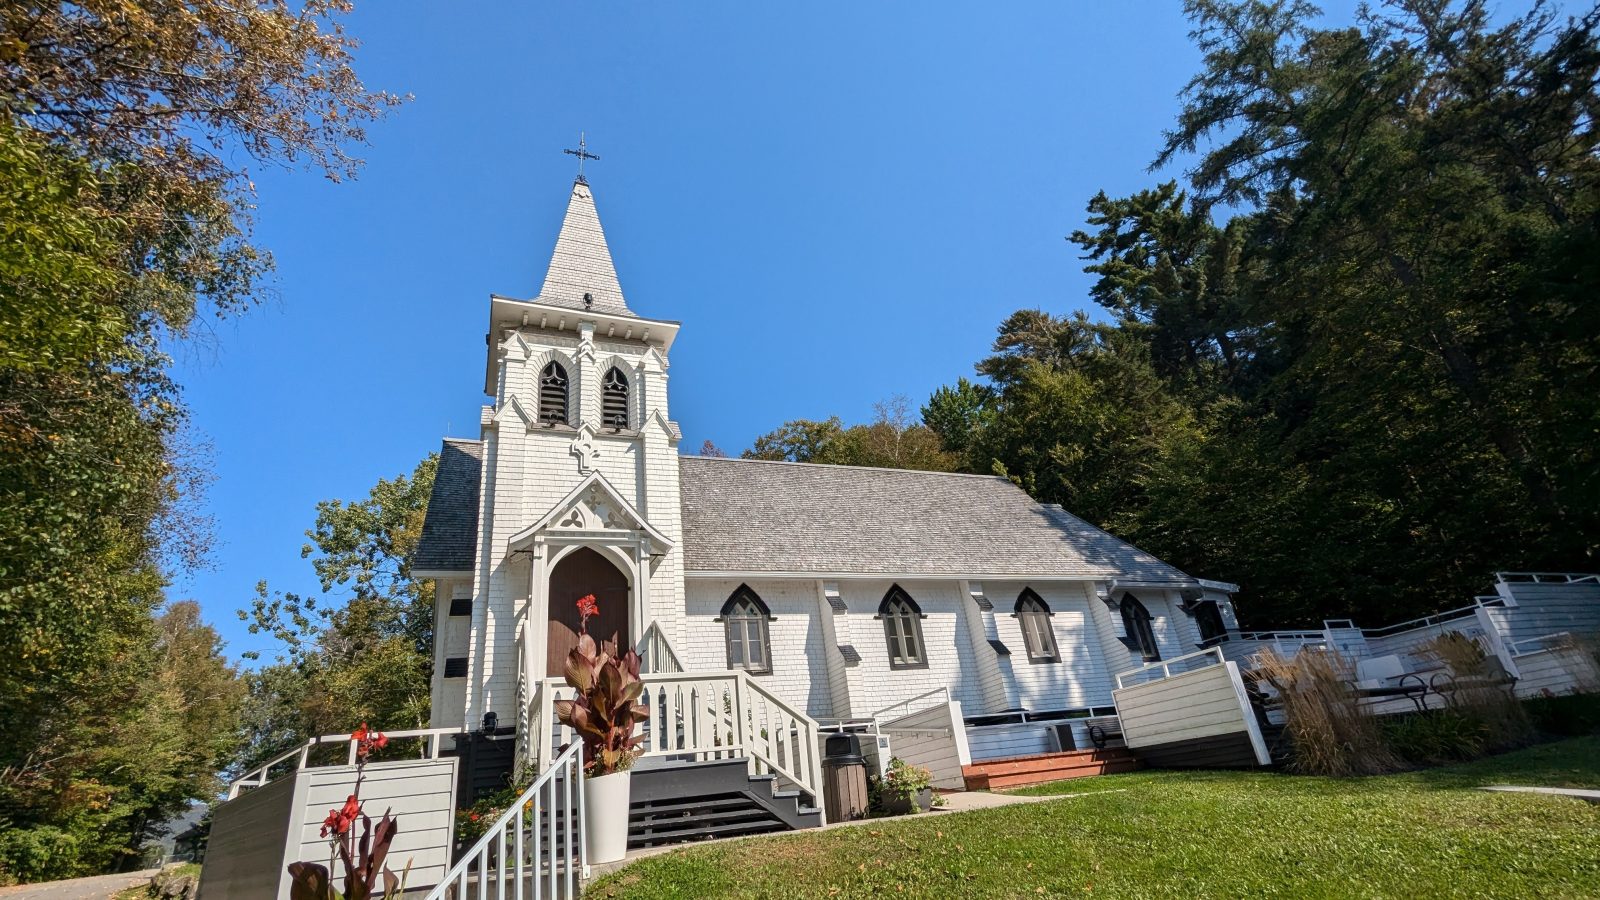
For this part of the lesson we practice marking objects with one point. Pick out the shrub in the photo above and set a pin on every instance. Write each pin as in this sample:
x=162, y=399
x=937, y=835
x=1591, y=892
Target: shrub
x=1436, y=737
x=1329, y=732
x=896, y=793
x=1567, y=716
x=1483, y=691
x=40, y=853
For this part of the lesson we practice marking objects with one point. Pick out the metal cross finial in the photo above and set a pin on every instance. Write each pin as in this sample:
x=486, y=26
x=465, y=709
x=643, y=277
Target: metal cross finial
x=582, y=153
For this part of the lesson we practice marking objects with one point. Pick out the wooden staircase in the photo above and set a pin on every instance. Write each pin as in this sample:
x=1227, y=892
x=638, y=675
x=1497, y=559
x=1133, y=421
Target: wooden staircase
x=684, y=802
x=1020, y=771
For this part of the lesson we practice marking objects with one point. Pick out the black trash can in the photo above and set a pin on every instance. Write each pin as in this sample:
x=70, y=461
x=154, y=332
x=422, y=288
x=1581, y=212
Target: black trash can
x=844, y=778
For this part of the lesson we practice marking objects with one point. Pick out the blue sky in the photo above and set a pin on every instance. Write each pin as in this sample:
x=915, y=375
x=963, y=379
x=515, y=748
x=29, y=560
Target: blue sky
x=839, y=202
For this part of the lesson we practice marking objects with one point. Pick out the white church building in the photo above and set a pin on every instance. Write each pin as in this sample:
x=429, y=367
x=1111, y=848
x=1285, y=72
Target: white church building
x=842, y=591
x=945, y=619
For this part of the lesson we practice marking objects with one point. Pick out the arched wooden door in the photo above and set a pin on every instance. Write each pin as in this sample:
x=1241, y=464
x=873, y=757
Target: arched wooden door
x=585, y=571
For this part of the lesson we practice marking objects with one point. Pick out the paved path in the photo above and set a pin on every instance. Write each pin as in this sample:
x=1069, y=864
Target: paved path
x=98, y=887
x=1584, y=795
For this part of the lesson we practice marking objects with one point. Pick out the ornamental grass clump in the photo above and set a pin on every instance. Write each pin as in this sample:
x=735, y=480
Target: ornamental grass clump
x=605, y=713
x=1481, y=691
x=1330, y=733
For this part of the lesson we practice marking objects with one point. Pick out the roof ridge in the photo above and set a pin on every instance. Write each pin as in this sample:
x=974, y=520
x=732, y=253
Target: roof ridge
x=789, y=462
x=454, y=440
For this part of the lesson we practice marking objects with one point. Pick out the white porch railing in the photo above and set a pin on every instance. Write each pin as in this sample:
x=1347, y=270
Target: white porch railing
x=430, y=739
x=655, y=651
x=905, y=707
x=1547, y=578
x=1543, y=642
x=537, y=844
x=1189, y=662
x=703, y=716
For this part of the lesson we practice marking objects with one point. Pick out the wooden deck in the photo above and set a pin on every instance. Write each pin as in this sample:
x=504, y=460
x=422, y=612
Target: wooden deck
x=1020, y=771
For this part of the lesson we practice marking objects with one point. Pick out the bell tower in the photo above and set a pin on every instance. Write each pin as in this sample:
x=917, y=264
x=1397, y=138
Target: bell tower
x=579, y=470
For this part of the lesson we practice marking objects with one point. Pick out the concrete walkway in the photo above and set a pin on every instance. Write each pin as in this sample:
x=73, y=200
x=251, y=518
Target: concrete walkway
x=1584, y=795
x=98, y=887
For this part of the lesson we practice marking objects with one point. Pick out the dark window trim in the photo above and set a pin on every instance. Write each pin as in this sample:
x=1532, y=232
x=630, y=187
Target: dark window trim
x=1207, y=615
x=910, y=619
x=609, y=394
x=743, y=594
x=1051, y=652
x=1136, y=621
x=554, y=376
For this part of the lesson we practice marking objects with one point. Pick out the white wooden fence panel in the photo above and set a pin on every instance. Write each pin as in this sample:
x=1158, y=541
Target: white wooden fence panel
x=1559, y=670
x=422, y=795
x=1206, y=703
x=934, y=738
x=1000, y=741
x=245, y=854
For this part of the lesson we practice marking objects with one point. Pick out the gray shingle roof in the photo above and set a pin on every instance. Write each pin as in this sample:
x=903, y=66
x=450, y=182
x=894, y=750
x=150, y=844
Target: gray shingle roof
x=581, y=263
x=450, y=530
x=752, y=516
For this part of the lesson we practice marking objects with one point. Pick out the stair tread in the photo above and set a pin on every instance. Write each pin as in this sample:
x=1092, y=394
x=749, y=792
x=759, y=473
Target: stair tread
x=665, y=837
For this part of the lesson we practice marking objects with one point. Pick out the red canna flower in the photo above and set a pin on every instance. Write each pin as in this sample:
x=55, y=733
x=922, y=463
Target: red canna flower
x=587, y=607
x=367, y=740
x=338, y=822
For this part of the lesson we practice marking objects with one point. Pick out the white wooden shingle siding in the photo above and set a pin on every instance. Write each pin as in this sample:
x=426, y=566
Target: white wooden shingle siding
x=1080, y=677
x=797, y=634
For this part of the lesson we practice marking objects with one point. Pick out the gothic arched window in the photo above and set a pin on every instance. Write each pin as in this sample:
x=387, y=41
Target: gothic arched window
x=1208, y=617
x=1033, y=615
x=744, y=623
x=614, y=399
x=553, y=395
x=902, y=627
x=1136, y=621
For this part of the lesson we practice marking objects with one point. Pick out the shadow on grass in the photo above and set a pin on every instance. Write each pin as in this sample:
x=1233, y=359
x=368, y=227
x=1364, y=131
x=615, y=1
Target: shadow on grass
x=1567, y=763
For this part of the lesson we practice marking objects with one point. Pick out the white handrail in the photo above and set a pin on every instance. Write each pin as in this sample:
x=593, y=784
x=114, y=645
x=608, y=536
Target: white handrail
x=1165, y=665
x=936, y=692
x=1550, y=641
x=1438, y=618
x=704, y=716
x=1547, y=578
x=259, y=776
x=655, y=651
x=552, y=813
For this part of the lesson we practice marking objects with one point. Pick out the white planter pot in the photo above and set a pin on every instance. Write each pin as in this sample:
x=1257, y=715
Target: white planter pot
x=606, y=815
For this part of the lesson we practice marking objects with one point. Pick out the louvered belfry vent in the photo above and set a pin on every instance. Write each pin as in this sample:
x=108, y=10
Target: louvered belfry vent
x=553, y=395
x=614, y=399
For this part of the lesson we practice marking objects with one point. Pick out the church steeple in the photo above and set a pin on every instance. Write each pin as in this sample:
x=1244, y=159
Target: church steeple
x=581, y=264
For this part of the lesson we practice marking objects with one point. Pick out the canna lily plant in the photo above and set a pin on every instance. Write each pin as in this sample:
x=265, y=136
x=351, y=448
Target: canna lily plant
x=363, y=857
x=606, y=711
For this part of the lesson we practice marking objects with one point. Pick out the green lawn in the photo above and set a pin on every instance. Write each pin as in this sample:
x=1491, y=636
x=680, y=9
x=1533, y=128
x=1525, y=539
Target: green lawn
x=1174, y=834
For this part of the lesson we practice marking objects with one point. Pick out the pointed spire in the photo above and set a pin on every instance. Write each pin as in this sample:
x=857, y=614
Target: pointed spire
x=581, y=263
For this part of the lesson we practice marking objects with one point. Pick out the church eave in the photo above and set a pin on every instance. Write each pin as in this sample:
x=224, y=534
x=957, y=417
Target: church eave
x=509, y=312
